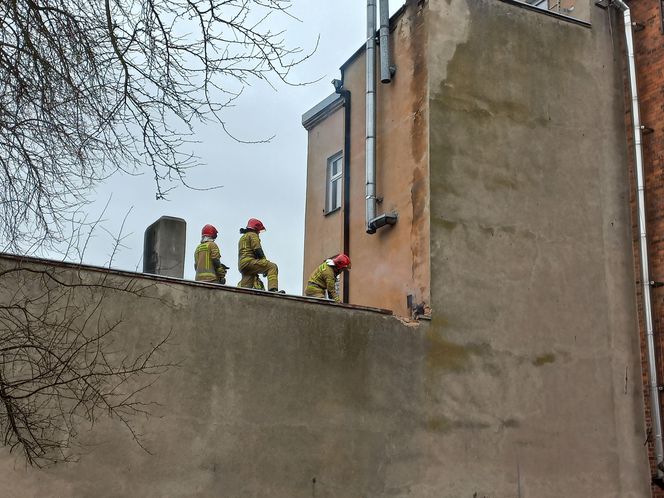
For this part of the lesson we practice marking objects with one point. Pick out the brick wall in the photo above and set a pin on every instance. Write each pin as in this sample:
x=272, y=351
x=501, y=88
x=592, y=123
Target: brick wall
x=649, y=48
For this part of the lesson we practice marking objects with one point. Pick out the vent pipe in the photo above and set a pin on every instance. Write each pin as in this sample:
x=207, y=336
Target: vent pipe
x=371, y=114
x=373, y=222
x=655, y=415
x=385, y=63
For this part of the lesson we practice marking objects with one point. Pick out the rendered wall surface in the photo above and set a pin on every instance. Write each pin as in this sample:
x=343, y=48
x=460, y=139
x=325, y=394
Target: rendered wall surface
x=394, y=262
x=532, y=275
x=525, y=384
x=270, y=394
x=323, y=234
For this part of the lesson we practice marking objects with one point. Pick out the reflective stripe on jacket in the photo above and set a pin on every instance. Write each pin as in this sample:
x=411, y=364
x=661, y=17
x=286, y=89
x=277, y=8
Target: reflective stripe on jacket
x=249, y=243
x=207, y=262
x=325, y=278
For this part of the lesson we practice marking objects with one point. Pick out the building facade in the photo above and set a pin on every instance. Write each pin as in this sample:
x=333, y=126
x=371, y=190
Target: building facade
x=525, y=382
x=390, y=267
x=527, y=188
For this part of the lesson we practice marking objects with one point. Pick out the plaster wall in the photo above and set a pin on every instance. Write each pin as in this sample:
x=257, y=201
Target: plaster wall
x=526, y=383
x=532, y=278
x=394, y=262
x=272, y=396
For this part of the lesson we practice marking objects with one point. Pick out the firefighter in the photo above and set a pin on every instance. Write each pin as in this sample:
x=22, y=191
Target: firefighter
x=251, y=258
x=324, y=278
x=207, y=262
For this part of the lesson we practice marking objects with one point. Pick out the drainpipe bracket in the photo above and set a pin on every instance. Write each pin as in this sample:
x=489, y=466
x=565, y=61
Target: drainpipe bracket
x=646, y=130
x=654, y=283
x=637, y=26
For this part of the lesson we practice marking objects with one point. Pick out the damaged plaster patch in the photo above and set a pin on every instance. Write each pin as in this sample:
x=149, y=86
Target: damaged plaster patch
x=446, y=355
x=408, y=322
x=453, y=22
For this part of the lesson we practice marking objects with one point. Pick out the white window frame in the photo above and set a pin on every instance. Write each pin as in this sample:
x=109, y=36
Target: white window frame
x=552, y=6
x=334, y=204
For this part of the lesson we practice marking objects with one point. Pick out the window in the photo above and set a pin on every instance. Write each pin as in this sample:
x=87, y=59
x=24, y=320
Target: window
x=559, y=6
x=334, y=177
x=564, y=7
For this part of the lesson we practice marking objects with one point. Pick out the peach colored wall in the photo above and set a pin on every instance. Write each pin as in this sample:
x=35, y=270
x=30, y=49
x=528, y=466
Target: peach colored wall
x=323, y=234
x=394, y=262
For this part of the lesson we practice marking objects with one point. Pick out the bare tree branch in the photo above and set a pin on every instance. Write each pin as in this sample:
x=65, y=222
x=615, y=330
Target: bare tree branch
x=92, y=87
x=61, y=364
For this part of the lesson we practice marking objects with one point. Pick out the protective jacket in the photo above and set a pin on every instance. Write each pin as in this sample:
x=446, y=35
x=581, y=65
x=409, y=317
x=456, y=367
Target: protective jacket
x=252, y=262
x=207, y=263
x=249, y=248
x=323, y=279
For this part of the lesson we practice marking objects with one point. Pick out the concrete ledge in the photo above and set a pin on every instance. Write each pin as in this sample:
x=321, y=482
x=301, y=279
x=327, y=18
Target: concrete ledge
x=181, y=281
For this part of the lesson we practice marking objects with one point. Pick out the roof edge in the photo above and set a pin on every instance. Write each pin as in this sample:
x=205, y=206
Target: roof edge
x=322, y=110
x=50, y=263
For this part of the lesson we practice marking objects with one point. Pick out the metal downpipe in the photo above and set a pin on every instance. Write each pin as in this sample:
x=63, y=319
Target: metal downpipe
x=371, y=114
x=385, y=63
x=643, y=238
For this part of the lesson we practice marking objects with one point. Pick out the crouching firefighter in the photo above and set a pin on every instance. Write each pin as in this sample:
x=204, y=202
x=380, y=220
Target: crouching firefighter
x=324, y=278
x=251, y=258
x=207, y=262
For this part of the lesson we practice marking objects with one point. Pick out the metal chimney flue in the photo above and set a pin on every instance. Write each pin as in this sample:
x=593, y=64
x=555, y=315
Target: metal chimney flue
x=374, y=222
x=385, y=61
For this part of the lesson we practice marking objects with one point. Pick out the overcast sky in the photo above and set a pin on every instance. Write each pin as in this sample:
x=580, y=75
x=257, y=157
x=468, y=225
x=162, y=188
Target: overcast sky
x=265, y=181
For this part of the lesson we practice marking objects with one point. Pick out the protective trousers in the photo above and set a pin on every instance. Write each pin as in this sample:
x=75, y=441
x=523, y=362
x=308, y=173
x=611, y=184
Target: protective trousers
x=314, y=291
x=253, y=267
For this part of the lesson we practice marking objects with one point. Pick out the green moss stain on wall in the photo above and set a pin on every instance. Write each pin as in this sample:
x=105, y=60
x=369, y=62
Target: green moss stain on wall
x=445, y=355
x=544, y=359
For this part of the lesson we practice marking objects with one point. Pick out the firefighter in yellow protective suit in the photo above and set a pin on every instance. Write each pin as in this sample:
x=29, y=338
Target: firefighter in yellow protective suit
x=324, y=278
x=252, y=261
x=207, y=262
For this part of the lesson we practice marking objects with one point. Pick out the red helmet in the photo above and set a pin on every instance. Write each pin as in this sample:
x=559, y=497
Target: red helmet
x=209, y=231
x=255, y=224
x=341, y=261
